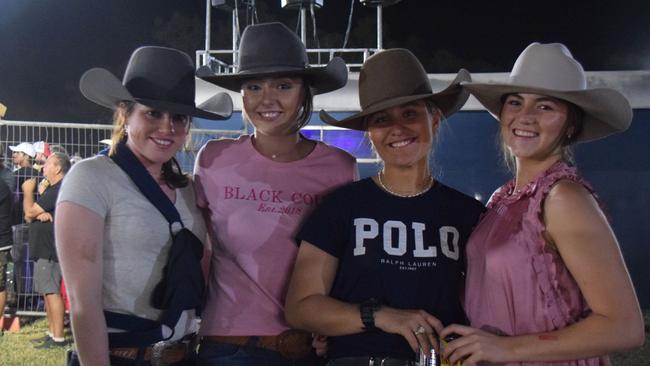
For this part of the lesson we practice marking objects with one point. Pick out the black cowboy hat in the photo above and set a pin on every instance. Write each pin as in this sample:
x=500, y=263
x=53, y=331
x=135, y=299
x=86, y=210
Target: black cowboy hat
x=158, y=77
x=271, y=49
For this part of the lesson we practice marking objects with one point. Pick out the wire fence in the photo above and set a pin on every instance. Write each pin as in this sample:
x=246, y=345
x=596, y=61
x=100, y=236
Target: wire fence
x=78, y=141
x=81, y=141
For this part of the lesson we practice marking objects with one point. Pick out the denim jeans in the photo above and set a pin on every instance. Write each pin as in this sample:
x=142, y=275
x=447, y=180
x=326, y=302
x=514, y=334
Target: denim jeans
x=221, y=354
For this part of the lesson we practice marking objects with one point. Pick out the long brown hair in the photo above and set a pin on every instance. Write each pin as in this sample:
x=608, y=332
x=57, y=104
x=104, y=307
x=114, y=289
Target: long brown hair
x=171, y=170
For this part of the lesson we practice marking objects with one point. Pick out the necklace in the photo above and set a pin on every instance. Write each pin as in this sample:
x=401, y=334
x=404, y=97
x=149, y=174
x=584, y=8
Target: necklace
x=296, y=148
x=410, y=195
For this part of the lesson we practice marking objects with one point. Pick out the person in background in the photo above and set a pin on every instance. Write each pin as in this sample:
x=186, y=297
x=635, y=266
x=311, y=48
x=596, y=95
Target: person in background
x=381, y=260
x=22, y=157
x=116, y=248
x=6, y=242
x=47, y=272
x=546, y=282
x=6, y=174
x=7, y=182
x=255, y=190
x=42, y=150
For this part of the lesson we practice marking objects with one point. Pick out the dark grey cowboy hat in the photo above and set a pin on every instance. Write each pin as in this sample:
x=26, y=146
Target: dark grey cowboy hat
x=393, y=77
x=271, y=49
x=158, y=77
x=551, y=70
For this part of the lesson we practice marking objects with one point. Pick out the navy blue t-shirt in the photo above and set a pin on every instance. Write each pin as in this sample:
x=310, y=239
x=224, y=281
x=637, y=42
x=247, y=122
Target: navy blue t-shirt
x=409, y=253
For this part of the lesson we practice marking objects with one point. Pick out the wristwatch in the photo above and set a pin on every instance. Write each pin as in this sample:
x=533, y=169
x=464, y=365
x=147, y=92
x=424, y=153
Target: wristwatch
x=367, y=310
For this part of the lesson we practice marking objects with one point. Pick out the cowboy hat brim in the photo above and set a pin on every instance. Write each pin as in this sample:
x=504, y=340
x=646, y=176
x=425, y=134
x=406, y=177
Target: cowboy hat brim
x=322, y=79
x=450, y=100
x=102, y=87
x=606, y=110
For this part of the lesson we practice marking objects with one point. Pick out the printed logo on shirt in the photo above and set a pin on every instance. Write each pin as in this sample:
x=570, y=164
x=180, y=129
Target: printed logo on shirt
x=273, y=201
x=393, y=235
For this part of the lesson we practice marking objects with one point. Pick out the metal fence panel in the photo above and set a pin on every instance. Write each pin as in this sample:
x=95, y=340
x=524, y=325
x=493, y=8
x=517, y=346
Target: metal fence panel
x=79, y=141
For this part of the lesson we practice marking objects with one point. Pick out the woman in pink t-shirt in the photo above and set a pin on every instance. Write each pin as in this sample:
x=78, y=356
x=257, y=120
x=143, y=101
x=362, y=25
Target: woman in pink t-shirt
x=255, y=190
x=546, y=282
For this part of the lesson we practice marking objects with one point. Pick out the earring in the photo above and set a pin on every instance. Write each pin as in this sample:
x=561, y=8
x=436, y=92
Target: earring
x=126, y=130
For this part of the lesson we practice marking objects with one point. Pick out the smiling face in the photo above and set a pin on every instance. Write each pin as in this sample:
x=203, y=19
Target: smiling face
x=272, y=105
x=534, y=126
x=155, y=136
x=403, y=135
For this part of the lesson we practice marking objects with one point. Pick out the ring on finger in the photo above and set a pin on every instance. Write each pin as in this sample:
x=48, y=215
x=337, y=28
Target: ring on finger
x=420, y=330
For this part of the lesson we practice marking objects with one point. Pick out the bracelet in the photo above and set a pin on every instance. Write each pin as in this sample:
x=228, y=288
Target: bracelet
x=367, y=311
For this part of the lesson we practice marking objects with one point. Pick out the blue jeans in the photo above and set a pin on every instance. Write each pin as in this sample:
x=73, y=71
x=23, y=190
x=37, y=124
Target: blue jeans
x=221, y=354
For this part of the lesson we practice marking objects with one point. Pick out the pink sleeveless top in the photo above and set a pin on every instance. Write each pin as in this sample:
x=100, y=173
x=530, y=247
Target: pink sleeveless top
x=515, y=283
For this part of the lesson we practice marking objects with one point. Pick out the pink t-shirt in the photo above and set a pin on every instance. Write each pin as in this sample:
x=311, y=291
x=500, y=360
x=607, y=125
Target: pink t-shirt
x=515, y=283
x=255, y=206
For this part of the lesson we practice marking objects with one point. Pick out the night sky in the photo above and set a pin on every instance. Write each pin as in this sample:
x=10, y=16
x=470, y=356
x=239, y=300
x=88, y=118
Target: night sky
x=47, y=45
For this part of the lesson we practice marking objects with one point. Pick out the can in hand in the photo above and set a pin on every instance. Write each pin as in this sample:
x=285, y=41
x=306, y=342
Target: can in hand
x=428, y=357
x=443, y=344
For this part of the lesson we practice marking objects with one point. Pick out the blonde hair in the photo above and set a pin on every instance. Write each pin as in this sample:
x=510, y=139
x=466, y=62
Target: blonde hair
x=122, y=112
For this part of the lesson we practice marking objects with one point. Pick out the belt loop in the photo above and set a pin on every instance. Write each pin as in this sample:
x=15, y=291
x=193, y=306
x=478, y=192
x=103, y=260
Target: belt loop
x=139, y=358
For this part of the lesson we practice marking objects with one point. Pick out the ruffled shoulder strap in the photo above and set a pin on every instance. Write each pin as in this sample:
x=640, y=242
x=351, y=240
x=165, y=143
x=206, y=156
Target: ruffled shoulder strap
x=540, y=188
x=502, y=194
x=545, y=261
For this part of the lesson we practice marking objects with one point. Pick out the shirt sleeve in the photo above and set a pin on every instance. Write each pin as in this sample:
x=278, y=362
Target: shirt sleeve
x=199, y=176
x=328, y=226
x=85, y=185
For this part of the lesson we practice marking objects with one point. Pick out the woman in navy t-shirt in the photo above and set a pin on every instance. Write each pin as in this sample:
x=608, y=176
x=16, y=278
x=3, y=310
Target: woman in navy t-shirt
x=381, y=260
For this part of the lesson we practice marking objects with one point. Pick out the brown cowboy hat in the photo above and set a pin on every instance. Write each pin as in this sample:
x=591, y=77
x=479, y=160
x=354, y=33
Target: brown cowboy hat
x=551, y=70
x=393, y=77
x=271, y=49
x=158, y=77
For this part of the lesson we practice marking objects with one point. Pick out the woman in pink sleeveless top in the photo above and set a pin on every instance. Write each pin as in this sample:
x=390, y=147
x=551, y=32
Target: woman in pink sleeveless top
x=546, y=283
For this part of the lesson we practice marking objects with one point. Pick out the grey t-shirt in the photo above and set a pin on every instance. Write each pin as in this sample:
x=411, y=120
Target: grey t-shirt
x=136, y=234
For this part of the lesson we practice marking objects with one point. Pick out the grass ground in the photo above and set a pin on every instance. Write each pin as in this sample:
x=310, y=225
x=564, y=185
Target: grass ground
x=17, y=350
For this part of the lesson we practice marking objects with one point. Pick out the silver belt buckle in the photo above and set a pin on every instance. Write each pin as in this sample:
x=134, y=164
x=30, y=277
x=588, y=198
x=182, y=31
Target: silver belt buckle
x=157, y=350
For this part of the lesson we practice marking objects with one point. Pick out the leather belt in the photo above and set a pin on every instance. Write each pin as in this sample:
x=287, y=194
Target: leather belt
x=158, y=354
x=291, y=344
x=371, y=361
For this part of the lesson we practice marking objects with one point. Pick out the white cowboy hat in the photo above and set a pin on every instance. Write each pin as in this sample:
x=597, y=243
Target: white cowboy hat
x=551, y=70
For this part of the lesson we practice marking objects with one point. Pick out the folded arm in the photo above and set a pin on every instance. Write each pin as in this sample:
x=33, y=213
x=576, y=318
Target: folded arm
x=31, y=209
